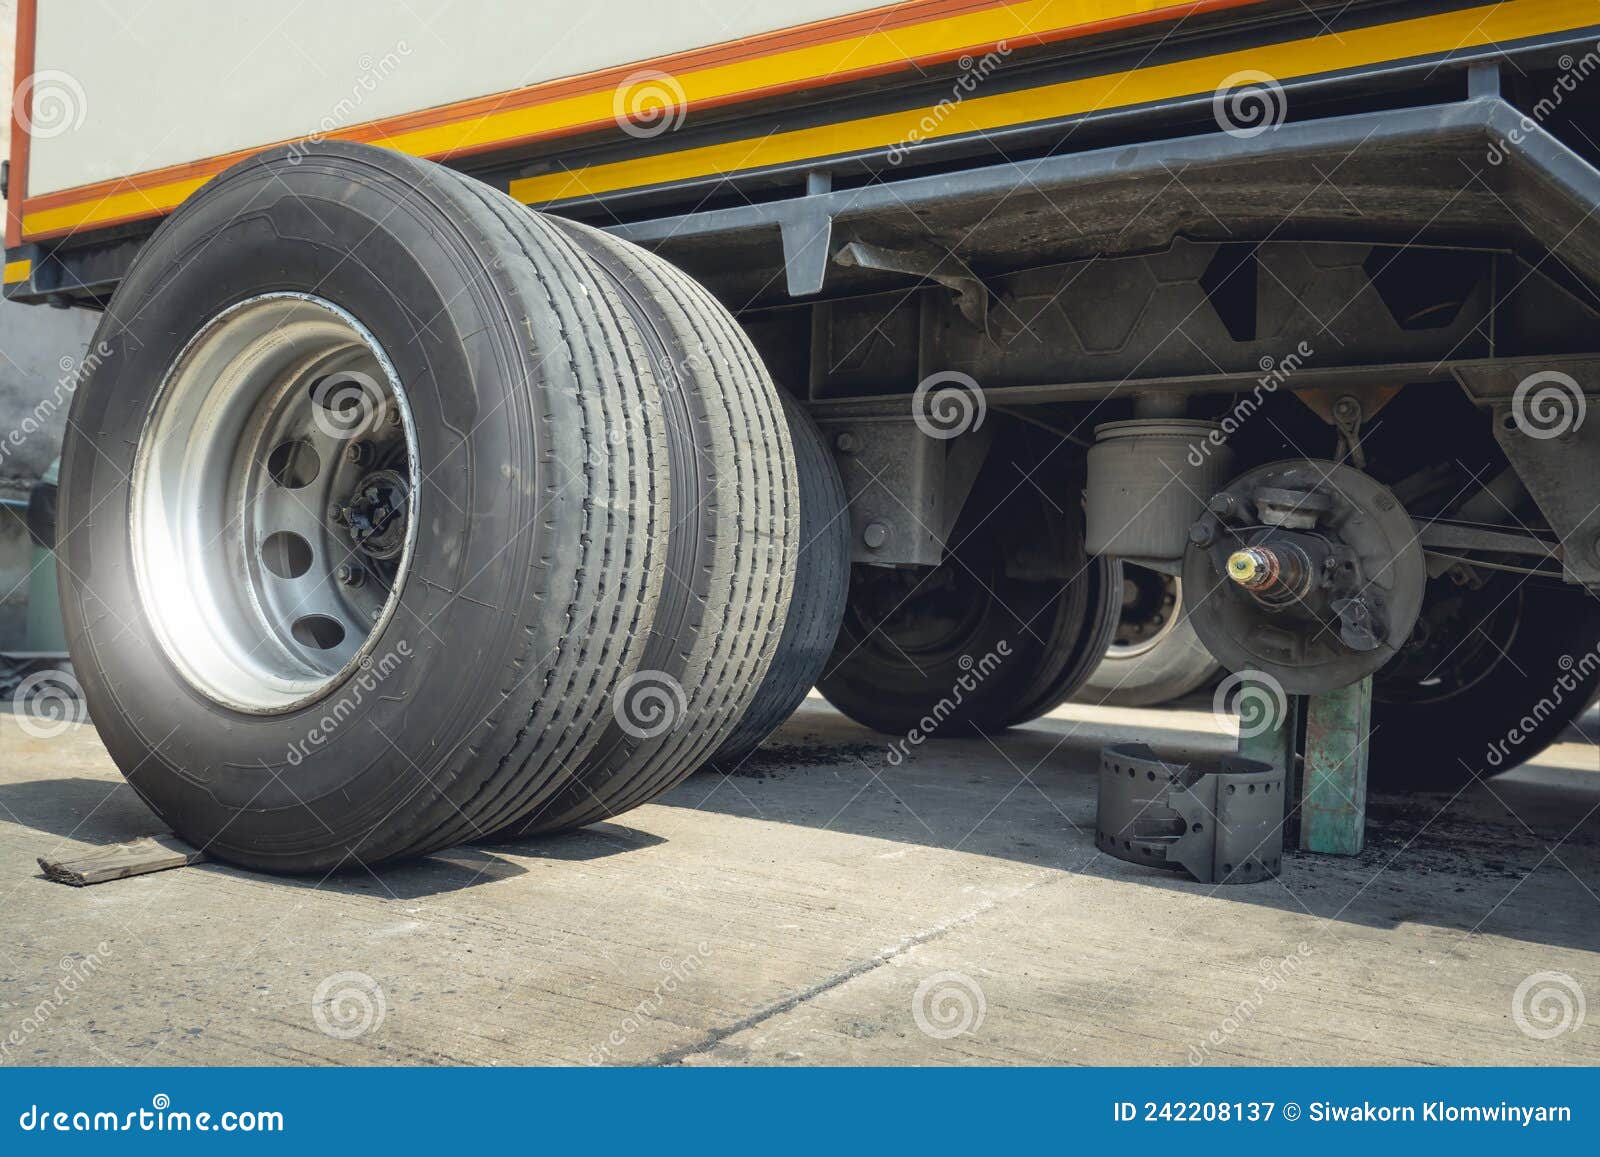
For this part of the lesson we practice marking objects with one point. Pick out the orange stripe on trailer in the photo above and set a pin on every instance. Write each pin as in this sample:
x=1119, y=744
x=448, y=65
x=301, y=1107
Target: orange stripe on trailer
x=884, y=40
x=21, y=108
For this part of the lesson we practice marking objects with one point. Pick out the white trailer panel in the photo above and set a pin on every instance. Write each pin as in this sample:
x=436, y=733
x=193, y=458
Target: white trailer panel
x=166, y=82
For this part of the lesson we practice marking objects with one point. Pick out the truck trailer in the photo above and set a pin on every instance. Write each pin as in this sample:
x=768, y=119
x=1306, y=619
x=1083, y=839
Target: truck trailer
x=500, y=411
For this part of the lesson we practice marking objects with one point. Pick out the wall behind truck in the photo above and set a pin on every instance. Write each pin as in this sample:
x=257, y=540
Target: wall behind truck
x=33, y=402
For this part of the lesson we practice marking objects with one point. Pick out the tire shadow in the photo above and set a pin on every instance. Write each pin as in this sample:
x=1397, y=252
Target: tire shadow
x=87, y=811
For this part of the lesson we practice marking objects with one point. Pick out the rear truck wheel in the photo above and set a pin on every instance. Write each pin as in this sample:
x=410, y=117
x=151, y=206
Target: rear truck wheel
x=730, y=551
x=1491, y=676
x=1005, y=629
x=344, y=575
x=821, y=582
x=1074, y=652
x=1155, y=656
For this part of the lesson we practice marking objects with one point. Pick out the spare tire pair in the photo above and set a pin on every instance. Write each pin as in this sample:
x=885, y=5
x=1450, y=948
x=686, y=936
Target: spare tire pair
x=397, y=515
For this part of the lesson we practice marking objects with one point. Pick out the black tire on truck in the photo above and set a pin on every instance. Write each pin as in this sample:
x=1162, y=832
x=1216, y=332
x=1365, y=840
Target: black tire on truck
x=393, y=620
x=731, y=546
x=1155, y=655
x=1490, y=678
x=1002, y=631
x=821, y=583
x=1075, y=650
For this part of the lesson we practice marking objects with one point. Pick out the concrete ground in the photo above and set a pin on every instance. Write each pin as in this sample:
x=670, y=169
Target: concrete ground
x=825, y=908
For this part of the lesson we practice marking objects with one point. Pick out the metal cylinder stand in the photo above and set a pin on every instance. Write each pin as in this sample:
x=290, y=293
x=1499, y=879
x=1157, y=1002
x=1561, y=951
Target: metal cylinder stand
x=1222, y=824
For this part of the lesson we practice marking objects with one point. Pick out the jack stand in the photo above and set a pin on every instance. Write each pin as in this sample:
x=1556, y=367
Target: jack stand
x=1320, y=741
x=1275, y=740
x=1333, y=809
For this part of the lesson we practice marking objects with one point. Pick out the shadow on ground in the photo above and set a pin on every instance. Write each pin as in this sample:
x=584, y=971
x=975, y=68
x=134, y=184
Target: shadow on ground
x=85, y=811
x=1518, y=856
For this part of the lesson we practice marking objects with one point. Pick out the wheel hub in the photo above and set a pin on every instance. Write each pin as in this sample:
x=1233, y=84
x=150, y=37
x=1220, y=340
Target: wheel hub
x=376, y=515
x=1306, y=571
x=272, y=502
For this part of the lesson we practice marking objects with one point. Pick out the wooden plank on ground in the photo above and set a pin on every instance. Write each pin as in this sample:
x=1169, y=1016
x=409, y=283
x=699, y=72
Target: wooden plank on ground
x=118, y=861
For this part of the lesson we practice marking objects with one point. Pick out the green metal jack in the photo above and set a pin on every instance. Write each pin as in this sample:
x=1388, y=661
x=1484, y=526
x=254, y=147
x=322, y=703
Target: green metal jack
x=1321, y=742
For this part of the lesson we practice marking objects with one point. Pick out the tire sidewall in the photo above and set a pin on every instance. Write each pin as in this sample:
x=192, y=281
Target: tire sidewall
x=258, y=230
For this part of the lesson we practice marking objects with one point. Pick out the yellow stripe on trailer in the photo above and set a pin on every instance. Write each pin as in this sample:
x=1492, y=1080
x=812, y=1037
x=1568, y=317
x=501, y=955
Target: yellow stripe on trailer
x=18, y=271
x=792, y=69
x=1332, y=52
x=111, y=207
x=815, y=64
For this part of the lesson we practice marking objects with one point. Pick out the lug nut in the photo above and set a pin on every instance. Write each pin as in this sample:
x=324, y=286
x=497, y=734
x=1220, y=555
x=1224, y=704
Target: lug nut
x=338, y=513
x=875, y=535
x=357, y=452
x=1223, y=505
x=1202, y=534
x=351, y=576
x=847, y=443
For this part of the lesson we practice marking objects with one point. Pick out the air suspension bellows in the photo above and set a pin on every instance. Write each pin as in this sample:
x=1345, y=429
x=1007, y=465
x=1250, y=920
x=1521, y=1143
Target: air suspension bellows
x=1148, y=479
x=1309, y=572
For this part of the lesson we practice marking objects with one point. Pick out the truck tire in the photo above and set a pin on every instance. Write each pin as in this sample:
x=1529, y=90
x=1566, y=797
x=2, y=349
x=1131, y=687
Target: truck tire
x=1076, y=656
x=339, y=356
x=1002, y=631
x=821, y=582
x=731, y=546
x=1155, y=656
x=1489, y=679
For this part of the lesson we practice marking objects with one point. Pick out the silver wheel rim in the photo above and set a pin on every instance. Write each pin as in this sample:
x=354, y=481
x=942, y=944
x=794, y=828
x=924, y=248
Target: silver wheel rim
x=1171, y=613
x=274, y=503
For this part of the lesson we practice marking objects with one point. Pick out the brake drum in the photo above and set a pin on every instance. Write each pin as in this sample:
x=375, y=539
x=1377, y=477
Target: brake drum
x=1307, y=571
